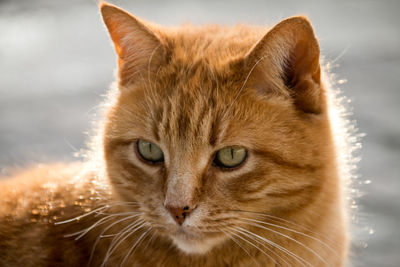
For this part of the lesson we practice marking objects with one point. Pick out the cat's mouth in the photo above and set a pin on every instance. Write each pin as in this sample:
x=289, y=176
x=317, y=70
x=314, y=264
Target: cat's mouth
x=186, y=233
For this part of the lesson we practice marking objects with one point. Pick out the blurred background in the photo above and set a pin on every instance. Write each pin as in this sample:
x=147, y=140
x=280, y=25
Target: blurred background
x=56, y=62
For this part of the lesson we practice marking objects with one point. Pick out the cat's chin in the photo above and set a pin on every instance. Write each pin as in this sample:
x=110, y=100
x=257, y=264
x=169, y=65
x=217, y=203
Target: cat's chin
x=190, y=244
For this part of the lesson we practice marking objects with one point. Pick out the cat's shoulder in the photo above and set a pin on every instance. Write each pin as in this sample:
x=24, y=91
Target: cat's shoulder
x=42, y=189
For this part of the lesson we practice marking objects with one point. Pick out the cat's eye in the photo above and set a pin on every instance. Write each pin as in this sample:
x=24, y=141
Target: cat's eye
x=230, y=157
x=149, y=151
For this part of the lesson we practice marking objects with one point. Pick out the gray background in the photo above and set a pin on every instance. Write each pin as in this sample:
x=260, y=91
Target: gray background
x=56, y=61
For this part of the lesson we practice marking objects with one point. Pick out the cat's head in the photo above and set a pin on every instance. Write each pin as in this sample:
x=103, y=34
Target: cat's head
x=214, y=125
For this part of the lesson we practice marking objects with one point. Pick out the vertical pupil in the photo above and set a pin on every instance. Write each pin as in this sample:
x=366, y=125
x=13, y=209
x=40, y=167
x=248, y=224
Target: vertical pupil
x=232, y=153
x=150, y=151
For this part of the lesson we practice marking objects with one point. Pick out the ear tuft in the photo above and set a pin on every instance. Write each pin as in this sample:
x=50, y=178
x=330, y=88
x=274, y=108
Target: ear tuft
x=290, y=63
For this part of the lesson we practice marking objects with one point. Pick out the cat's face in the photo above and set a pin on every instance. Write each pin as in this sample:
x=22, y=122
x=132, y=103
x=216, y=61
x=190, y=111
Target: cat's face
x=169, y=136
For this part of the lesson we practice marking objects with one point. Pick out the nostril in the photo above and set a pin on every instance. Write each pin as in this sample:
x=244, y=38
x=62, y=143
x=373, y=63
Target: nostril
x=179, y=213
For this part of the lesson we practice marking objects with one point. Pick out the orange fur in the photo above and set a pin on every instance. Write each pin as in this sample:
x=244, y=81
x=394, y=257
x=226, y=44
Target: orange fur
x=192, y=91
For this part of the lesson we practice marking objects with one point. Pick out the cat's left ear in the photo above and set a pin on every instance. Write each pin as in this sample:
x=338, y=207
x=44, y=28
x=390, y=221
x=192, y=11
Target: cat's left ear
x=138, y=48
x=286, y=60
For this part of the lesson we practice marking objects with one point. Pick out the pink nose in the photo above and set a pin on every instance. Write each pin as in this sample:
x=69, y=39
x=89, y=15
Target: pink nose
x=179, y=213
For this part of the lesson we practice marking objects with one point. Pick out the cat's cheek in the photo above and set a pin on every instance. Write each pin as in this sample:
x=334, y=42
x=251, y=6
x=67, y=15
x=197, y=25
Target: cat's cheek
x=243, y=182
x=128, y=177
x=248, y=186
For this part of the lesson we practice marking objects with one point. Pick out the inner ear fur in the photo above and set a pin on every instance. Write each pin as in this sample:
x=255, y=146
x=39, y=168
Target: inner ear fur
x=286, y=61
x=139, y=49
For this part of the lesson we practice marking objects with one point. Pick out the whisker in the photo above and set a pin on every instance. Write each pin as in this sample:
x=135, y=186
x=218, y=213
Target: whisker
x=266, y=254
x=292, y=239
x=99, y=222
x=133, y=247
x=149, y=62
x=124, y=231
x=229, y=234
x=244, y=83
x=120, y=203
x=103, y=213
x=109, y=235
x=298, y=258
x=291, y=223
x=82, y=216
x=294, y=231
x=101, y=235
x=150, y=239
x=270, y=250
x=122, y=238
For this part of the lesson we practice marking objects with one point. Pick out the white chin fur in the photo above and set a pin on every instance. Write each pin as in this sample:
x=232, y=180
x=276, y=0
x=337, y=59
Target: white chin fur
x=192, y=246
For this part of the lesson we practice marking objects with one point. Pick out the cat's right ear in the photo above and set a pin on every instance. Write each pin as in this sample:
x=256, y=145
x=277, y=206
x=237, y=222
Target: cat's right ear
x=286, y=61
x=138, y=48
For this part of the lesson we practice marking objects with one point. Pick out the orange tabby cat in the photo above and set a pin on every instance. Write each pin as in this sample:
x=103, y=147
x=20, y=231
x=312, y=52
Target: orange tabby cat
x=216, y=150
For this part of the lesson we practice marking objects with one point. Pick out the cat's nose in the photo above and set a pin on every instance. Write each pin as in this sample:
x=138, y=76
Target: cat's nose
x=180, y=213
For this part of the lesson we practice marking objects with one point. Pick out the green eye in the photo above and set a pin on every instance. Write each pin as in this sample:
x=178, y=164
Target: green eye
x=149, y=151
x=230, y=157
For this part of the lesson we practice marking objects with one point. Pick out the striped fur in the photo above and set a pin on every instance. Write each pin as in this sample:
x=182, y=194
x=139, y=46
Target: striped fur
x=192, y=91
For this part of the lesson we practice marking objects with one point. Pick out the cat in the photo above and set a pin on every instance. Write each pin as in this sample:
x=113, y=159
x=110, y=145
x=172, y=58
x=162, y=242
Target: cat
x=217, y=148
